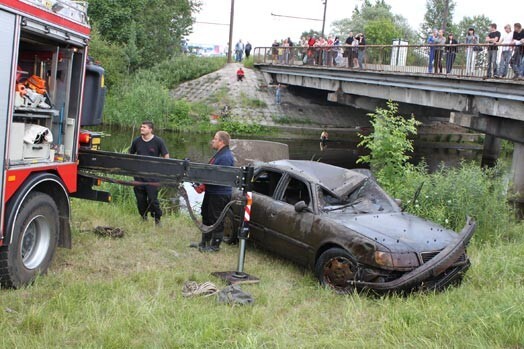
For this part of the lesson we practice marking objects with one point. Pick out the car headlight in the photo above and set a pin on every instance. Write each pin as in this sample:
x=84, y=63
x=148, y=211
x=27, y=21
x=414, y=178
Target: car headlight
x=396, y=260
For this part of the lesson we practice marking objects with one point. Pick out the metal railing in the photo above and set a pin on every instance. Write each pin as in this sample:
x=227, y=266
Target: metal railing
x=462, y=60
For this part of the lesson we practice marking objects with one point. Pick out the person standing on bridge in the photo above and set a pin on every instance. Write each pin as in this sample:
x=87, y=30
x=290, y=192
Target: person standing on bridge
x=432, y=39
x=518, y=53
x=439, y=50
x=348, y=50
x=451, y=52
x=471, y=53
x=147, y=195
x=361, y=50
x=492, y=39
x=505, y=57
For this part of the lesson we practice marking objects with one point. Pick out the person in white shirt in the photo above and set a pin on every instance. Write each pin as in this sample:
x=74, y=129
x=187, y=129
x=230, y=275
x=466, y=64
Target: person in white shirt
x=505, y=41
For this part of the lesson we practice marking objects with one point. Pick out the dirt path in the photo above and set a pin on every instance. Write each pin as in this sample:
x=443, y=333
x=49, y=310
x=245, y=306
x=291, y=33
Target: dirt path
x=253, y=101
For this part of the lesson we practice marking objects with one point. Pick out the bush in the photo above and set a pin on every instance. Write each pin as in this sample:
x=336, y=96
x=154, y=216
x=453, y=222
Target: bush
x=184, y=68
x=450, y=194
x=389, y=143
x=142, y=98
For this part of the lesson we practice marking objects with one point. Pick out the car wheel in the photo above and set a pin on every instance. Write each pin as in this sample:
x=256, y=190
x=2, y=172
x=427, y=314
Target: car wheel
x=34, y=240
x=336, y=268
x=230, y=228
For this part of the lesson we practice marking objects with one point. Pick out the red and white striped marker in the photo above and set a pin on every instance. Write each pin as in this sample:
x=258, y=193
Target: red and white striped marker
x=247, y=210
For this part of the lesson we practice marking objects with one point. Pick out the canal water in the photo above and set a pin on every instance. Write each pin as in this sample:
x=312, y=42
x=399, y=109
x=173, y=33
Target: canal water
x=341, y=149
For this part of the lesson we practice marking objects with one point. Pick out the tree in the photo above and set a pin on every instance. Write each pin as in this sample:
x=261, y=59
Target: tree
x=439, y=15
x=153, y=28
x=370, y=17
x=479, y=23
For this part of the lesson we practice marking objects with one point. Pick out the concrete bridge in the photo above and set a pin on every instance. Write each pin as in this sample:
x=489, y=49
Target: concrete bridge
x=494, y=107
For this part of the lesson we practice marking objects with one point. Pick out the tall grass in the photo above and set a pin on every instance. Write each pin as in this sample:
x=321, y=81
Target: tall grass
x=145, y=95
x=449, y=195
x=126, y=293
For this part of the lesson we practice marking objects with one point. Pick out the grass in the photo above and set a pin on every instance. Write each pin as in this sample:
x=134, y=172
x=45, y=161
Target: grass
x=126, y=293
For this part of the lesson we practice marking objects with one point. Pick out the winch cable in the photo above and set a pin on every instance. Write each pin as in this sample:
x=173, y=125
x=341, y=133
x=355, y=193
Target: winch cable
x=182, y=191
x=205, y=228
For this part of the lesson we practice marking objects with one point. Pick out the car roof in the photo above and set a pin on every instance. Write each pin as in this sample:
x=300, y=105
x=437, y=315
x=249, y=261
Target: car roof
x=337, y=180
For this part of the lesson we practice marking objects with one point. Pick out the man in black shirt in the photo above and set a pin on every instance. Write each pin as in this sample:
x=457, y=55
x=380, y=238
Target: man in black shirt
x=147, y=195
x=348, y=51
x=518, y=52
x=492, y=39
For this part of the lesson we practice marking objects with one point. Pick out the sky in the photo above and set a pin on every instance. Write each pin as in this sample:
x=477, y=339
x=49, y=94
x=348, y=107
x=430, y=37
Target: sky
x=254, y=22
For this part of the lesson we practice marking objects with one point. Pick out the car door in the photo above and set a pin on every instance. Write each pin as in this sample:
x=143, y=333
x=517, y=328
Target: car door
x=265, y=183
x=287, y=231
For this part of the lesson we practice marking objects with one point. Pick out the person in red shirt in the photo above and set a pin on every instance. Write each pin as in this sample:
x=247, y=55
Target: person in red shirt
x=240, y=74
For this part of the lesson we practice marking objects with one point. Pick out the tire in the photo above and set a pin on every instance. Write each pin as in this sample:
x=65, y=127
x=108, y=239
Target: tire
x=230, y=228
x=34, y=241
x=336, y=268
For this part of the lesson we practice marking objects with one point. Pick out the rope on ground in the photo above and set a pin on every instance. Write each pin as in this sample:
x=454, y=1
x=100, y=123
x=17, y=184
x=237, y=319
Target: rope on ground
x=192, y=288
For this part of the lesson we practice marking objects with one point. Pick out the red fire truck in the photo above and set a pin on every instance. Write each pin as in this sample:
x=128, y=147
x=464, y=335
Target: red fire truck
x=48, y=90
x=43, y=55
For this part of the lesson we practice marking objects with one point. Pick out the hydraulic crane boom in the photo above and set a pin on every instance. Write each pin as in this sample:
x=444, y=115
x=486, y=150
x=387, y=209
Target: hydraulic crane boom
x=169, y=171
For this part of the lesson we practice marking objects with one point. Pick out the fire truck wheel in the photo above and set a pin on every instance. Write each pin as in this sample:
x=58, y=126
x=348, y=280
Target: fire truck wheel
x=34, y=241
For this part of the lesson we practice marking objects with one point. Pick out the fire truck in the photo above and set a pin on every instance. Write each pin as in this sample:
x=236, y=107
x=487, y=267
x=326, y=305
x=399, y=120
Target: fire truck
x=43, y=55
x=49, y=89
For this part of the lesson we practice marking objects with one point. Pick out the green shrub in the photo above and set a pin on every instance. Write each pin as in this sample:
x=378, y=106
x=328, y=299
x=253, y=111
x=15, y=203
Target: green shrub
x=389, y=143
x=143, y=98
x=234, y=127
x=449, y=195
x=185, y=67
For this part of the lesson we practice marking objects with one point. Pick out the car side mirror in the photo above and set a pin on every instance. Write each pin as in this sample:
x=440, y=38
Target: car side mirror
x=301, y=207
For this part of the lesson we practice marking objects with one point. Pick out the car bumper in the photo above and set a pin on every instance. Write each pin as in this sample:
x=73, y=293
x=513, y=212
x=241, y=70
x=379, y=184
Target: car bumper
x=437, y=273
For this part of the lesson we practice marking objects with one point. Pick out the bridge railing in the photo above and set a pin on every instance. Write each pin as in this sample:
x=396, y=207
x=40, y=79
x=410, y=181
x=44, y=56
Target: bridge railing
x=458, y=60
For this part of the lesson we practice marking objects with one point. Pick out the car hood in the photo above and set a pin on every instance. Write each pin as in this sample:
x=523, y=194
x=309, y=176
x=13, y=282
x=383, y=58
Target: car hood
x=398, y=231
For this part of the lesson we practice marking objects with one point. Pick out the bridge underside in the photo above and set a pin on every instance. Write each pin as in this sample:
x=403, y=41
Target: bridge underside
x=493, y=107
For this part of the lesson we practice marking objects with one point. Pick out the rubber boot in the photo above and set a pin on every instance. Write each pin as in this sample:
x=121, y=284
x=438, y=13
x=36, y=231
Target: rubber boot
x=206, y=238
x=214, y=246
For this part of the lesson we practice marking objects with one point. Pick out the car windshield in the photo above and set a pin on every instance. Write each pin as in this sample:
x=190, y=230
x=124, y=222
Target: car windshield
x=367, y=198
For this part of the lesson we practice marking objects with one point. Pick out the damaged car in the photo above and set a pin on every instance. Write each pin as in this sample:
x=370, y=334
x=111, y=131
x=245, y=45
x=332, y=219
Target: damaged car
x=343, y=225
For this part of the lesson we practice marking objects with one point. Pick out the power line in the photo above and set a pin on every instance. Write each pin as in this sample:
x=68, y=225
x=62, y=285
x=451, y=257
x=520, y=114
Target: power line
x=212, y=23
x=309, y=19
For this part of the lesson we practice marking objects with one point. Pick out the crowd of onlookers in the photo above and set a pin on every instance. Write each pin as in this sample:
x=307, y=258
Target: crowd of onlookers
x=502, y=51
x=317, y=50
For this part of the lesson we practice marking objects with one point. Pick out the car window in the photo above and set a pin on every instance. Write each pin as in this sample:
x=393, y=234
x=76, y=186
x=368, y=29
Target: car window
x=367, y=198
x=265, y=182
x=296, y=191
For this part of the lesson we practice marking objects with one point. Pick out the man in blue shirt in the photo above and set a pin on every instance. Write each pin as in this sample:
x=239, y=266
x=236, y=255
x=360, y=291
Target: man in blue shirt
x=216, y=196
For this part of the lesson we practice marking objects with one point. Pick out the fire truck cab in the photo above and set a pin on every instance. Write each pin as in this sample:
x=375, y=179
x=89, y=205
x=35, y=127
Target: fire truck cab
x=43, y=63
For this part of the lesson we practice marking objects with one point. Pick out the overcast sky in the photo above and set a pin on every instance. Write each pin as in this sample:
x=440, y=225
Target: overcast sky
x=253, y=20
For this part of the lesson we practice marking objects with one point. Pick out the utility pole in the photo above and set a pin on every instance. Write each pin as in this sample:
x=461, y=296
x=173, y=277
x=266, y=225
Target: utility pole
x=446, y=15
x=324, y=19
x=230, y=44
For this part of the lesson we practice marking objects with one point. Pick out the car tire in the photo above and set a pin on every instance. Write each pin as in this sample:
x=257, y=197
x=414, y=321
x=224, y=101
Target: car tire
x=34, y=241
x=336, y=268
x=230, y=228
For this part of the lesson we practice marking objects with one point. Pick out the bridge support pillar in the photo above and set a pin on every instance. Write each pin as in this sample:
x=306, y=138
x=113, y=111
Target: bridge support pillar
x=517, y=175
x=491, y=151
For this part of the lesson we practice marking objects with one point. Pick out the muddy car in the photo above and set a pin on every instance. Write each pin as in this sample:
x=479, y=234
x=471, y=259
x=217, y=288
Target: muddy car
x=342, y=225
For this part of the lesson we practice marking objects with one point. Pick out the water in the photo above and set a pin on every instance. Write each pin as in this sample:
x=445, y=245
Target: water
x=341, y=150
